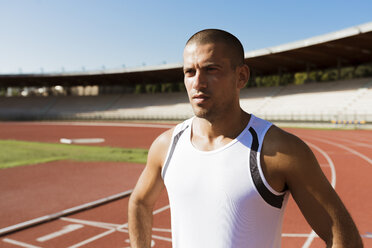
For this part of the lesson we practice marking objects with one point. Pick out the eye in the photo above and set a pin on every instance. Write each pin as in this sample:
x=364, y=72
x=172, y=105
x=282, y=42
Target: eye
x=211, y=69
x=189, y=71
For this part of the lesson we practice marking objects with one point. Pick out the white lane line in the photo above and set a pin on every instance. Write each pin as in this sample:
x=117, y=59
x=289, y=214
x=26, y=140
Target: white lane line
x=120, y=228
x=97, y=124
x=161, y=238
x=21, y=244
x=366, y=139
x=91, y=223
x=63, y=213
x=92, y=239
x=296, y=235
x=357, y=143
x=351, y=141
x=309, y=240
x=63, y=231
x=81, y=141
x=128, y=241
x=161, y=209
x=161, y=229
x=343, y=147
x=330, y=163
x=125, y=225
x=312, y=234
x=368, y=235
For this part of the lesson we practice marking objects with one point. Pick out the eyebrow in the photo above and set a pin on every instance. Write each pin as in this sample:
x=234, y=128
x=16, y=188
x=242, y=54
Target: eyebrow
x=208, y=64
x=187, y=68
x=212, y=64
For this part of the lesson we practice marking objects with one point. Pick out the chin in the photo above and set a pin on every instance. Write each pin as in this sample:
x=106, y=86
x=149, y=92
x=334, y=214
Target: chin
x=203, y=113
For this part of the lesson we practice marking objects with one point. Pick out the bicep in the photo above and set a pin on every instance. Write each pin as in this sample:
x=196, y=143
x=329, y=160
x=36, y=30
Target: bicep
x=148, y=187
x=150, y=183
x=313, y=193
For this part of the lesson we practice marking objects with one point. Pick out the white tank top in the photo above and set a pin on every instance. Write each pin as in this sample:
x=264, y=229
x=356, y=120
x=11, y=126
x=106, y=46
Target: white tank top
x=220, y=198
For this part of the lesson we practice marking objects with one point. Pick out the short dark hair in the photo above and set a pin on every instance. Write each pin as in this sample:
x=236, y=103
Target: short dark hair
x=236, y=50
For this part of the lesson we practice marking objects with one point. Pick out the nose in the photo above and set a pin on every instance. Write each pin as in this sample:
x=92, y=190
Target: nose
x=200, y=81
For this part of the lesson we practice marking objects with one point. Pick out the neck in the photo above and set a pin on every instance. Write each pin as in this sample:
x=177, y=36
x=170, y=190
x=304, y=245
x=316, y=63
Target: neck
x=228, y=126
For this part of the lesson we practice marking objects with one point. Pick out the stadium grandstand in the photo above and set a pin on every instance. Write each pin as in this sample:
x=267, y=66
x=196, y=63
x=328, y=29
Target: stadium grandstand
x=323, y=79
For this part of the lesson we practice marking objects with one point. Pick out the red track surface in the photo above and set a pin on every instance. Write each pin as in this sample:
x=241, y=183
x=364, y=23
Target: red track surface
x=32, y=191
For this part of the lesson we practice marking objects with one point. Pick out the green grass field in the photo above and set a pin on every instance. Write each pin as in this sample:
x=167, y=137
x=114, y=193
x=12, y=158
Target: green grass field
x=18, y=153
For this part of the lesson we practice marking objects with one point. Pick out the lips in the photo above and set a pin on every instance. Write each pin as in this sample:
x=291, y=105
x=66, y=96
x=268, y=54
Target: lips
x=200, y=98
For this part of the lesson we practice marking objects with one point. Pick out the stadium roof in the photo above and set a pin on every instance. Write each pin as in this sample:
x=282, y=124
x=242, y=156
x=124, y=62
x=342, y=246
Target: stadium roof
x=351, y=46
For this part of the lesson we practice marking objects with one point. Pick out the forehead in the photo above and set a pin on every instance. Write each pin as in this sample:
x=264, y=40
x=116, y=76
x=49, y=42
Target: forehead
x=203, y=53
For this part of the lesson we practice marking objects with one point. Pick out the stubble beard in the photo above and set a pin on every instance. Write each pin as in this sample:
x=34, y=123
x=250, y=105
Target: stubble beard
x=203, y=112
x=213, y=113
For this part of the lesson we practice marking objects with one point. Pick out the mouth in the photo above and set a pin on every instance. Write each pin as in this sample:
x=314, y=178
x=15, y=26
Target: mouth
x=200, y=98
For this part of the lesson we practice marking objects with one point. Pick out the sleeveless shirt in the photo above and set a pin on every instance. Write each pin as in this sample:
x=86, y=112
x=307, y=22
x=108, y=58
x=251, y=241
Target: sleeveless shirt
x=220, y=198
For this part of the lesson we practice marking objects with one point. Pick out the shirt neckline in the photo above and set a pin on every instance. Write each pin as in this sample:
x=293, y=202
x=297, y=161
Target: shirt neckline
x=222, y=147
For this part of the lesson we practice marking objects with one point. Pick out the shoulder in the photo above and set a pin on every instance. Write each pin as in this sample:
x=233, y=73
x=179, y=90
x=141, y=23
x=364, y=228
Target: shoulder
x=279, y=142
x=159, y=147
x=163, y=139
x=150, y=184
x=284, y=156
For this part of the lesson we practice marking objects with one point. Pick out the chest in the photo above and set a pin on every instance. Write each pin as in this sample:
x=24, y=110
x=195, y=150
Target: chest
x=211, y=176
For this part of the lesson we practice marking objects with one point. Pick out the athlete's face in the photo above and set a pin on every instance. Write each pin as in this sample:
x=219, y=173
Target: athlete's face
x=211, y=82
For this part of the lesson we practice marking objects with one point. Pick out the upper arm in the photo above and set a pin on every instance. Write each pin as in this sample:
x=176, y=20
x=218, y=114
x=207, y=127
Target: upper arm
x=310, y=188
x=295, y=164
x=150, y=183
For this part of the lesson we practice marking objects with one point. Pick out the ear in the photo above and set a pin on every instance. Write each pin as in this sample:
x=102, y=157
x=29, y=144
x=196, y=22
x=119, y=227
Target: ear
x=243, y=75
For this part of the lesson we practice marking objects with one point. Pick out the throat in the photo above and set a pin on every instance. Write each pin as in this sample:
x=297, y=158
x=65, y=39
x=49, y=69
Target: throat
x=209, y=136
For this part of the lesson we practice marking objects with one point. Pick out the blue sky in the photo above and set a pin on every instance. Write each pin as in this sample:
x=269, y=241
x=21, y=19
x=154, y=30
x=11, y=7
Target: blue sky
x=76, y=35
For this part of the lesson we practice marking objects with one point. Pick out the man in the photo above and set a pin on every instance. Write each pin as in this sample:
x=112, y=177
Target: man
x=228, y=173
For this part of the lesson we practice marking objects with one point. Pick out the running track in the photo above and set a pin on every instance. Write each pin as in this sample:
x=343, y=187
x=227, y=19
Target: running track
x=37, y=190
